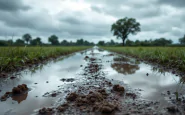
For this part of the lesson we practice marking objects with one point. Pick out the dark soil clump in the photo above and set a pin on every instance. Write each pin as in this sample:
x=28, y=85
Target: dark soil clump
x=67, y=80
x=20, y=89
x=172, y=109
x=118, y=88
x=72, y=96
x=46, y=111
x=94, y=101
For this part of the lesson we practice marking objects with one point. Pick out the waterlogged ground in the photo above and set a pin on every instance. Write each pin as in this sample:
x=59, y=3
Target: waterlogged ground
x=68, y=84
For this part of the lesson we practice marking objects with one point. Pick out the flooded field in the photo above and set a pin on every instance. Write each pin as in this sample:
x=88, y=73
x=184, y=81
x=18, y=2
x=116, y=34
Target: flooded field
x=142, y=89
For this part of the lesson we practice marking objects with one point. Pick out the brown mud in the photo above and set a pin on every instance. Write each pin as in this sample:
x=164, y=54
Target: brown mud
x=96, y=82
x=99, y=96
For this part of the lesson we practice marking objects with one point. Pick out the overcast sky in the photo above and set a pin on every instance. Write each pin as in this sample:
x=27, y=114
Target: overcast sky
x=90, y=19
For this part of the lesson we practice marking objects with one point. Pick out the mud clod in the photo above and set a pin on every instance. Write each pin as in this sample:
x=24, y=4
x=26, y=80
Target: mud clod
x=105, y=107
x=118, y=88
x=54, y=94
x=172, y=109
x=13, y=77
x=3, y=75
x=45, y=111
x=72, y=96
x=3, y=98
x=19, y=89
x=62, y=107
x=15, y=91
x=67, y=80
x=86, y=57
x=132, y=95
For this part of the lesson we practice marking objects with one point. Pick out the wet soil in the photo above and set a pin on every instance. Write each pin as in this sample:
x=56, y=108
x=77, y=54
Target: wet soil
x=95, y=82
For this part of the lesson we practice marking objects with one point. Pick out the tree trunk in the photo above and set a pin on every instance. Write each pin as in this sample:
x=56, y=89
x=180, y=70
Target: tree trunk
x=123, y=39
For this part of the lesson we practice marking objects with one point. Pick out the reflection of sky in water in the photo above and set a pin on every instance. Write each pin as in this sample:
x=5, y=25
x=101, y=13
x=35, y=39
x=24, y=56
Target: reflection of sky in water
x=52, y=72
x=151, y=85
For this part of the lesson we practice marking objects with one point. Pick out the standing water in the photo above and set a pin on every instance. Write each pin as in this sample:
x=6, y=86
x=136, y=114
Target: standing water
x=148, y=82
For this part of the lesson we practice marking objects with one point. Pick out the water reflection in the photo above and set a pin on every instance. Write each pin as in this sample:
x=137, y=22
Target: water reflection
x=125, y=68
x=47, y=77
x=20, y=98
x=158, y=70
x=125, y=65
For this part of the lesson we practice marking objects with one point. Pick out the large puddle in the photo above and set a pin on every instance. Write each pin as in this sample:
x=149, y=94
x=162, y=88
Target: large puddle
x=151, y=82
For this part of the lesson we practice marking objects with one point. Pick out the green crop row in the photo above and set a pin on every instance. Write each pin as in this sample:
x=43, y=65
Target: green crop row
x=14, y=57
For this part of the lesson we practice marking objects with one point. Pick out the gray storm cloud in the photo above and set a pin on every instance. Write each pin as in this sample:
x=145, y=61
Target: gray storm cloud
x=158, y=18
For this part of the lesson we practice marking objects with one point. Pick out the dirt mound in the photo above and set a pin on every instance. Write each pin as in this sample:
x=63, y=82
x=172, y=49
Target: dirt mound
x=72, y=96
x=46, y=111
x=20, y=89
x=94, y=101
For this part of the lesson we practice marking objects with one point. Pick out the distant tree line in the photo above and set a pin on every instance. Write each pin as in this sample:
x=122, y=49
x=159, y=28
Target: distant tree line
x=27, y=39
x=110, y=43
x=53, y=40
x=182, y=40
x=155, y=42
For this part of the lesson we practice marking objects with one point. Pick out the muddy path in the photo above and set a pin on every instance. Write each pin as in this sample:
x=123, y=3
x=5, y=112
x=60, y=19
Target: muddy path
x=94, y=82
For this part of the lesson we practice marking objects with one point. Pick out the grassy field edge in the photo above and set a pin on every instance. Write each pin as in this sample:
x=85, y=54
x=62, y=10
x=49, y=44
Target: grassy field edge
x=16, y=58
x=168, y=57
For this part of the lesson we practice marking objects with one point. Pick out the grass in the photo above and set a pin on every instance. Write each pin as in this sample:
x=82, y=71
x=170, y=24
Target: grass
x=170, y=57
x=12, y=58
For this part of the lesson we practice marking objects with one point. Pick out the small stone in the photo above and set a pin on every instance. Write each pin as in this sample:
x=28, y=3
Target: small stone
x=173, y=72
x=61, y=109
x=12, y=77
x=106, y=109
x=43, y=111
x=168, y=92
x=3, y=98
x=172, y=109
x=53, y=94
x=86, y=57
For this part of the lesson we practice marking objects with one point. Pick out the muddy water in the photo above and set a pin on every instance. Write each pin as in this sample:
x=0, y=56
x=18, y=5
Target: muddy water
x=151, y=83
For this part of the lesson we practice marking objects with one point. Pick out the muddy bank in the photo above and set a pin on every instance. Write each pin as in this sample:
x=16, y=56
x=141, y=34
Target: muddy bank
x=99, y=95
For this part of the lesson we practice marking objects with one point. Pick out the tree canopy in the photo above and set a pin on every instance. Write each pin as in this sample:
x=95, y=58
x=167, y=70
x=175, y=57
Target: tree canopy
x=36, y=41
x=182, y=40
x=19, y=42
x=123, y=27
x=27, y=37
x=53, y=39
